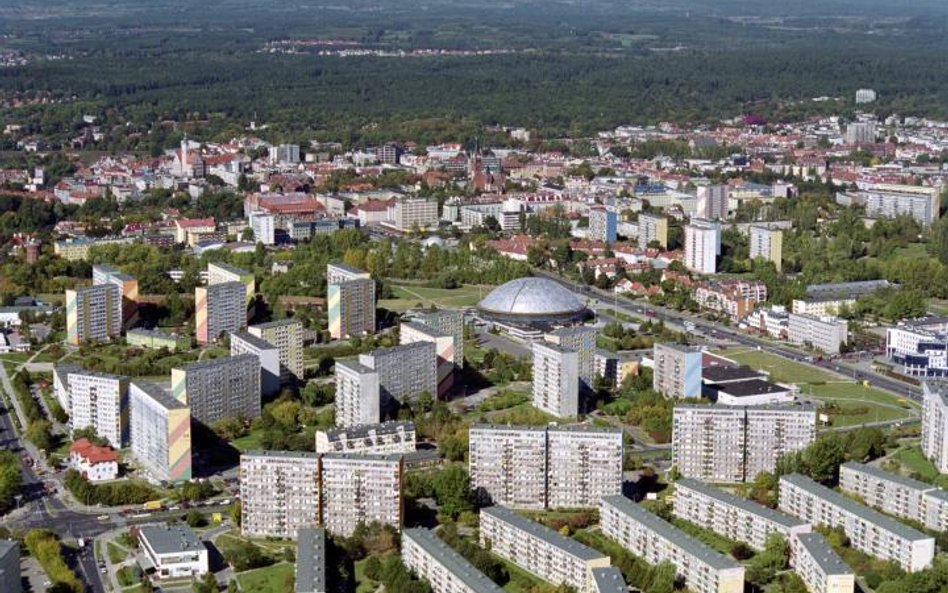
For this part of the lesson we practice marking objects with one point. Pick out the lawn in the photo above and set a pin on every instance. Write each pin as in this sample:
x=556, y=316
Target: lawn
x=249, y=442
x=780, y=369
x=912, y=459
x=271, y=579
x=520, y=581
x=523, y=414
x=410, y=297
x=363, y=583
x=116, y=554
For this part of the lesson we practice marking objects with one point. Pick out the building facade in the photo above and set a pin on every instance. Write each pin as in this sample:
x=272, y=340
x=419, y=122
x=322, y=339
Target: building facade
x=357, y=394
x=93, y=314
x=128, y=290
x=767, y=243
x=360, y=489
x=221, y=388
x=507, y=465
x=935, y=423
x=712, y=203
x=583, y=465
x=267, y=354
x=702, y=246
x=409, y=333
x=350, y=295
x=539, y=550
x=219, y=309
x=895, y=494
x=826, y=333
x=160, y=432
x=819, y=566
x=555, y=380
x=405, y=371
x=581, y=339
x=100, y=401
x=429, y=558
x=279, y=493
x=677, y=371
x=174, y=551
x=868, y=530
x=603, y=224
x=287, y=336
x=220, y=273
x=654, y=540
x=374, y=439
x=652, y=227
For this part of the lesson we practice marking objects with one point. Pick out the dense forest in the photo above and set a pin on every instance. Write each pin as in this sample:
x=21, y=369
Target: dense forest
x=570, y=68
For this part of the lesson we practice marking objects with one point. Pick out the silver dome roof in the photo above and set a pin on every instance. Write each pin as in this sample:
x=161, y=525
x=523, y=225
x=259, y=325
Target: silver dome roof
x=531, y=296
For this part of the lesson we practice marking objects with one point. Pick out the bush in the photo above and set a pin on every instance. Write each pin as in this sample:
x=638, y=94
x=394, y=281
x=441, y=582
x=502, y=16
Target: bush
x=118, y=493
x=244, y=555
x=45, y=547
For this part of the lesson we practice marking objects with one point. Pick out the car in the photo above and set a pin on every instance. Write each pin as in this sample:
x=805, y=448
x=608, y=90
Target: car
x=103, y=517
x=104, y=570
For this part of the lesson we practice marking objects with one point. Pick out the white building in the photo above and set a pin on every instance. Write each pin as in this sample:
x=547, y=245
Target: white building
x=429, y=558
x=868, y=530
x=357, y=394
x=767, y=243
x=583, y=465
x=99, y=401
x=555, y=380
x=713, y=202
x=539, y=550
x=702, y=246
x=285, y=154
x=244, y=342
x=827, y=334
x=919, y=347
x=413, y=214
x=360, y=489
x=507, y=465
x=96, y=464
x=654, y=540
x=819, y=566
x=895, y=494
x=174, y=551
x=733, y=517
x=935, y=423
x=263, y=227
x=279, y=493
x=376, y=439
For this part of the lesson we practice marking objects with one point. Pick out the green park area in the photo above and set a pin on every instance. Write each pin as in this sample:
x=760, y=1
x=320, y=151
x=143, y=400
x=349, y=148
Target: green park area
x=847, y=402
x=271, y=579
x=410, y=297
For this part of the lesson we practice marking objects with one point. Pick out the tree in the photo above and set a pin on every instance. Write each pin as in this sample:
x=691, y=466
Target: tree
x=235, y=513
x=664, y=576
x=11, y=479
x=765, y=565
x=206, y=584
x=195, y=518
x=452, y=489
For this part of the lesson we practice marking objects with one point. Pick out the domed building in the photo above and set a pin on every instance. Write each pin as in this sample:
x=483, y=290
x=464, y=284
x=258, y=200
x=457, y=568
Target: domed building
x=532, y=301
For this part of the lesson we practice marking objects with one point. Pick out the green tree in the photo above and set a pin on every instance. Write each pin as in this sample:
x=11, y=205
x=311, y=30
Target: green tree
x=452, y=489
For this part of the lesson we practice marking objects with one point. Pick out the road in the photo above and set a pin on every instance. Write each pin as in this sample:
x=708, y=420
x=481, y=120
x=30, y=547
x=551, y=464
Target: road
x=643, y=310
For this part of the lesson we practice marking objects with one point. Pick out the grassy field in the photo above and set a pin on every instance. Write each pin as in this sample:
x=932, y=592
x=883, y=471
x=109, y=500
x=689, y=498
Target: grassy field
x=912, y=460
x=363, y=583
x=116, y=554
x=249, y=442
x=857, y=403
x=410, y=297
x=271, y=579
x=520, y=581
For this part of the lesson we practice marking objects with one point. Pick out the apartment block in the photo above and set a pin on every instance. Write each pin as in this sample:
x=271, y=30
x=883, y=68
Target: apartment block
x=654, y=540
x=603, y=224
x=357, y=394
x=580, y=339
x=10, y=577
x=447, y=322
x=895, y=494
x=310, y=575
x=221, y=388
x=555, y=380
x=220, y=273
x=935, y=423
x=446, y=571
x=819, y=566
x=583, y=465
x=269, y=356
x=61, y=374
x=868, y=530
x=410, y=333
x=539, y=550
x=677, y=371
x=157, y=339
x=508, y=465
x=405, y=371
x=554, y=467
x=889, y=201
x=824, y=333
x=702, y=246
x=287, y=336
x=160, y=432
x=767, y=243
x=358, y=489
x=608, y=580
x=100, y=401
x=733, y=517
x=414, y=214
x=218, y=309
x=652, y=227
x=734, y=298
x=350, y=294
x=375, y=439
x=712, y=202
x=279, y=493
x=93, y=314
x=128, y=290
x=733, y=444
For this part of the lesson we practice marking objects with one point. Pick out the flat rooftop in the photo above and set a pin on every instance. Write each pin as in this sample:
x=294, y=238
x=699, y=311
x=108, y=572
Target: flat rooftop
x=547, y=535
x=827, y=559
x=171, y=539
x=453, y=562
x=725, y=374
x=311, y=560
x=748, y=506
x=751, y=388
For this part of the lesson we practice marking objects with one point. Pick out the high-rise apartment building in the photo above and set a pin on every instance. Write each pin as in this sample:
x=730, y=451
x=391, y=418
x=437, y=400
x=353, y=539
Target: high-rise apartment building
x=603, y=224
x=653, y=227
x=128, y=290
x=405, y=372
x=733, y=444
x=160, y=432
x=735, y=518
x=935, y=423
x=218, y=309
x=360, y=489
x=279, y=493
x=702, y=246
x=310, y=574
x=221, y=388
x=414, y=214
x=868, y=530
x=555, y=380
x=429, y=558
x=557, y=559
x=220, y=273
x=100, y=401
x=284, y=154
x=677, y=371
x=580, y=339
x=583, y=465
x=287, y=336
x=263, y=227
x=409, y=333
x=447, y=322
x=819, y=566
x=267, y=354
x=357, y=394
x=350, y=295
x=534, y=468
x=712, y=203
x=93, y=314
x=654, y=540
x=767, y=243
